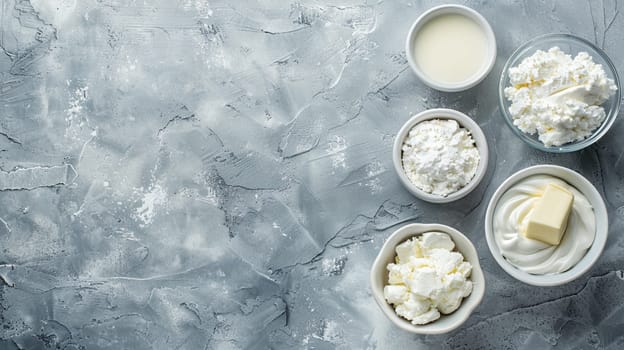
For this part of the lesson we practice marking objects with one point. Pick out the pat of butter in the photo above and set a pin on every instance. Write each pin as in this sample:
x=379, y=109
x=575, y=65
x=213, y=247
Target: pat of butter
x=549, y=218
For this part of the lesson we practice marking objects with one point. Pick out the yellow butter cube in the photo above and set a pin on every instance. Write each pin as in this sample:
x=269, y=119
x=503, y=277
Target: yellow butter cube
x=548, y=220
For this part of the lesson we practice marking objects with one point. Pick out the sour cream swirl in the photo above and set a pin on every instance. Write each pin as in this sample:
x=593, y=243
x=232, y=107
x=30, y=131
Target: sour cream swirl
x=512, y=213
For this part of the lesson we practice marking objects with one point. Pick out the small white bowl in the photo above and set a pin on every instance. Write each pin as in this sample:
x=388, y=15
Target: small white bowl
x=465, y=122
x=446, y=323
x=444, y=10
x=602, y=225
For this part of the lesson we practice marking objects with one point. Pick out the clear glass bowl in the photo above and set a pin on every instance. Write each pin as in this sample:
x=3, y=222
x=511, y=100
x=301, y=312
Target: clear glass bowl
x=571, y=45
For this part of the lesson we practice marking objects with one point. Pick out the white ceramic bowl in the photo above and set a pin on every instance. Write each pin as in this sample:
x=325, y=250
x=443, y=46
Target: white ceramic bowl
x=464, y=121
x=444, y=10
x=446, y=323
x=602, y=225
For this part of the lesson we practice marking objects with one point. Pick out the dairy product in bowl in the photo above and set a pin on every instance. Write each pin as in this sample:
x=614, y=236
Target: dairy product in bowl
x=558, y=97
x=451, y=48
x=427, y=278
x=439, y=156
x=549, y=218
x=511, y=214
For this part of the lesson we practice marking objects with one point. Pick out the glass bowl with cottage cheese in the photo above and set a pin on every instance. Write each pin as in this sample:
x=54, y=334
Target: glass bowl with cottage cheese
x=440, y=155
x=427, y=278
x=559, y=93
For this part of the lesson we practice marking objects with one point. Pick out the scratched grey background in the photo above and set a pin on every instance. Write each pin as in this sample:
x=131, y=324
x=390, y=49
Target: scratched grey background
x=186, y=174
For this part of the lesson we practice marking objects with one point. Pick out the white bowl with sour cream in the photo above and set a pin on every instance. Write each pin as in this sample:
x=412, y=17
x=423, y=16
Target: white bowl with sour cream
x=585, y=261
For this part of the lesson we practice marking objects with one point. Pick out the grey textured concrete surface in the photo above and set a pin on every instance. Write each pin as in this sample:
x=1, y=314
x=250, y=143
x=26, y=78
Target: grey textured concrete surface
x=186, y=174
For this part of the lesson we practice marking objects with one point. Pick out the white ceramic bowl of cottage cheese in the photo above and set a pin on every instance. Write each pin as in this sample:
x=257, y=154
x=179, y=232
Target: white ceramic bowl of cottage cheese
x=574, y=133
x=587, y=259
x=446, y=323
x=458, y=185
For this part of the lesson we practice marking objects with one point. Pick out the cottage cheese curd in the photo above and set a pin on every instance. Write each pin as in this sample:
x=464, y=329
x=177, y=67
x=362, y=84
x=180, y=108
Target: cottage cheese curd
x=427, y=278
x=558, y=97
x=439, y=156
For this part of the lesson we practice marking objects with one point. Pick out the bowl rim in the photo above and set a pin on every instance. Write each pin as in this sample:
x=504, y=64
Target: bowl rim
x=468, y=305
x=462, y=10
x=593, y=253
x=464, y=121
x=572, y=146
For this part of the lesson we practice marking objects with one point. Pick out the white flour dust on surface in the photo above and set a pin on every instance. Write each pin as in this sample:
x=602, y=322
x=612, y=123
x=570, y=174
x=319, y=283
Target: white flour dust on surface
x=335, y=147
x=374, y=169
x=201, y=7
x=333, y=266
x=152, y=199
x=74, y=116
x=76, y=102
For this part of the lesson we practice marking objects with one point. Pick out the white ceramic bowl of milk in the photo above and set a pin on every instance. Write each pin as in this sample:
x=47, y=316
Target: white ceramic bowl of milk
x=451, y=47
